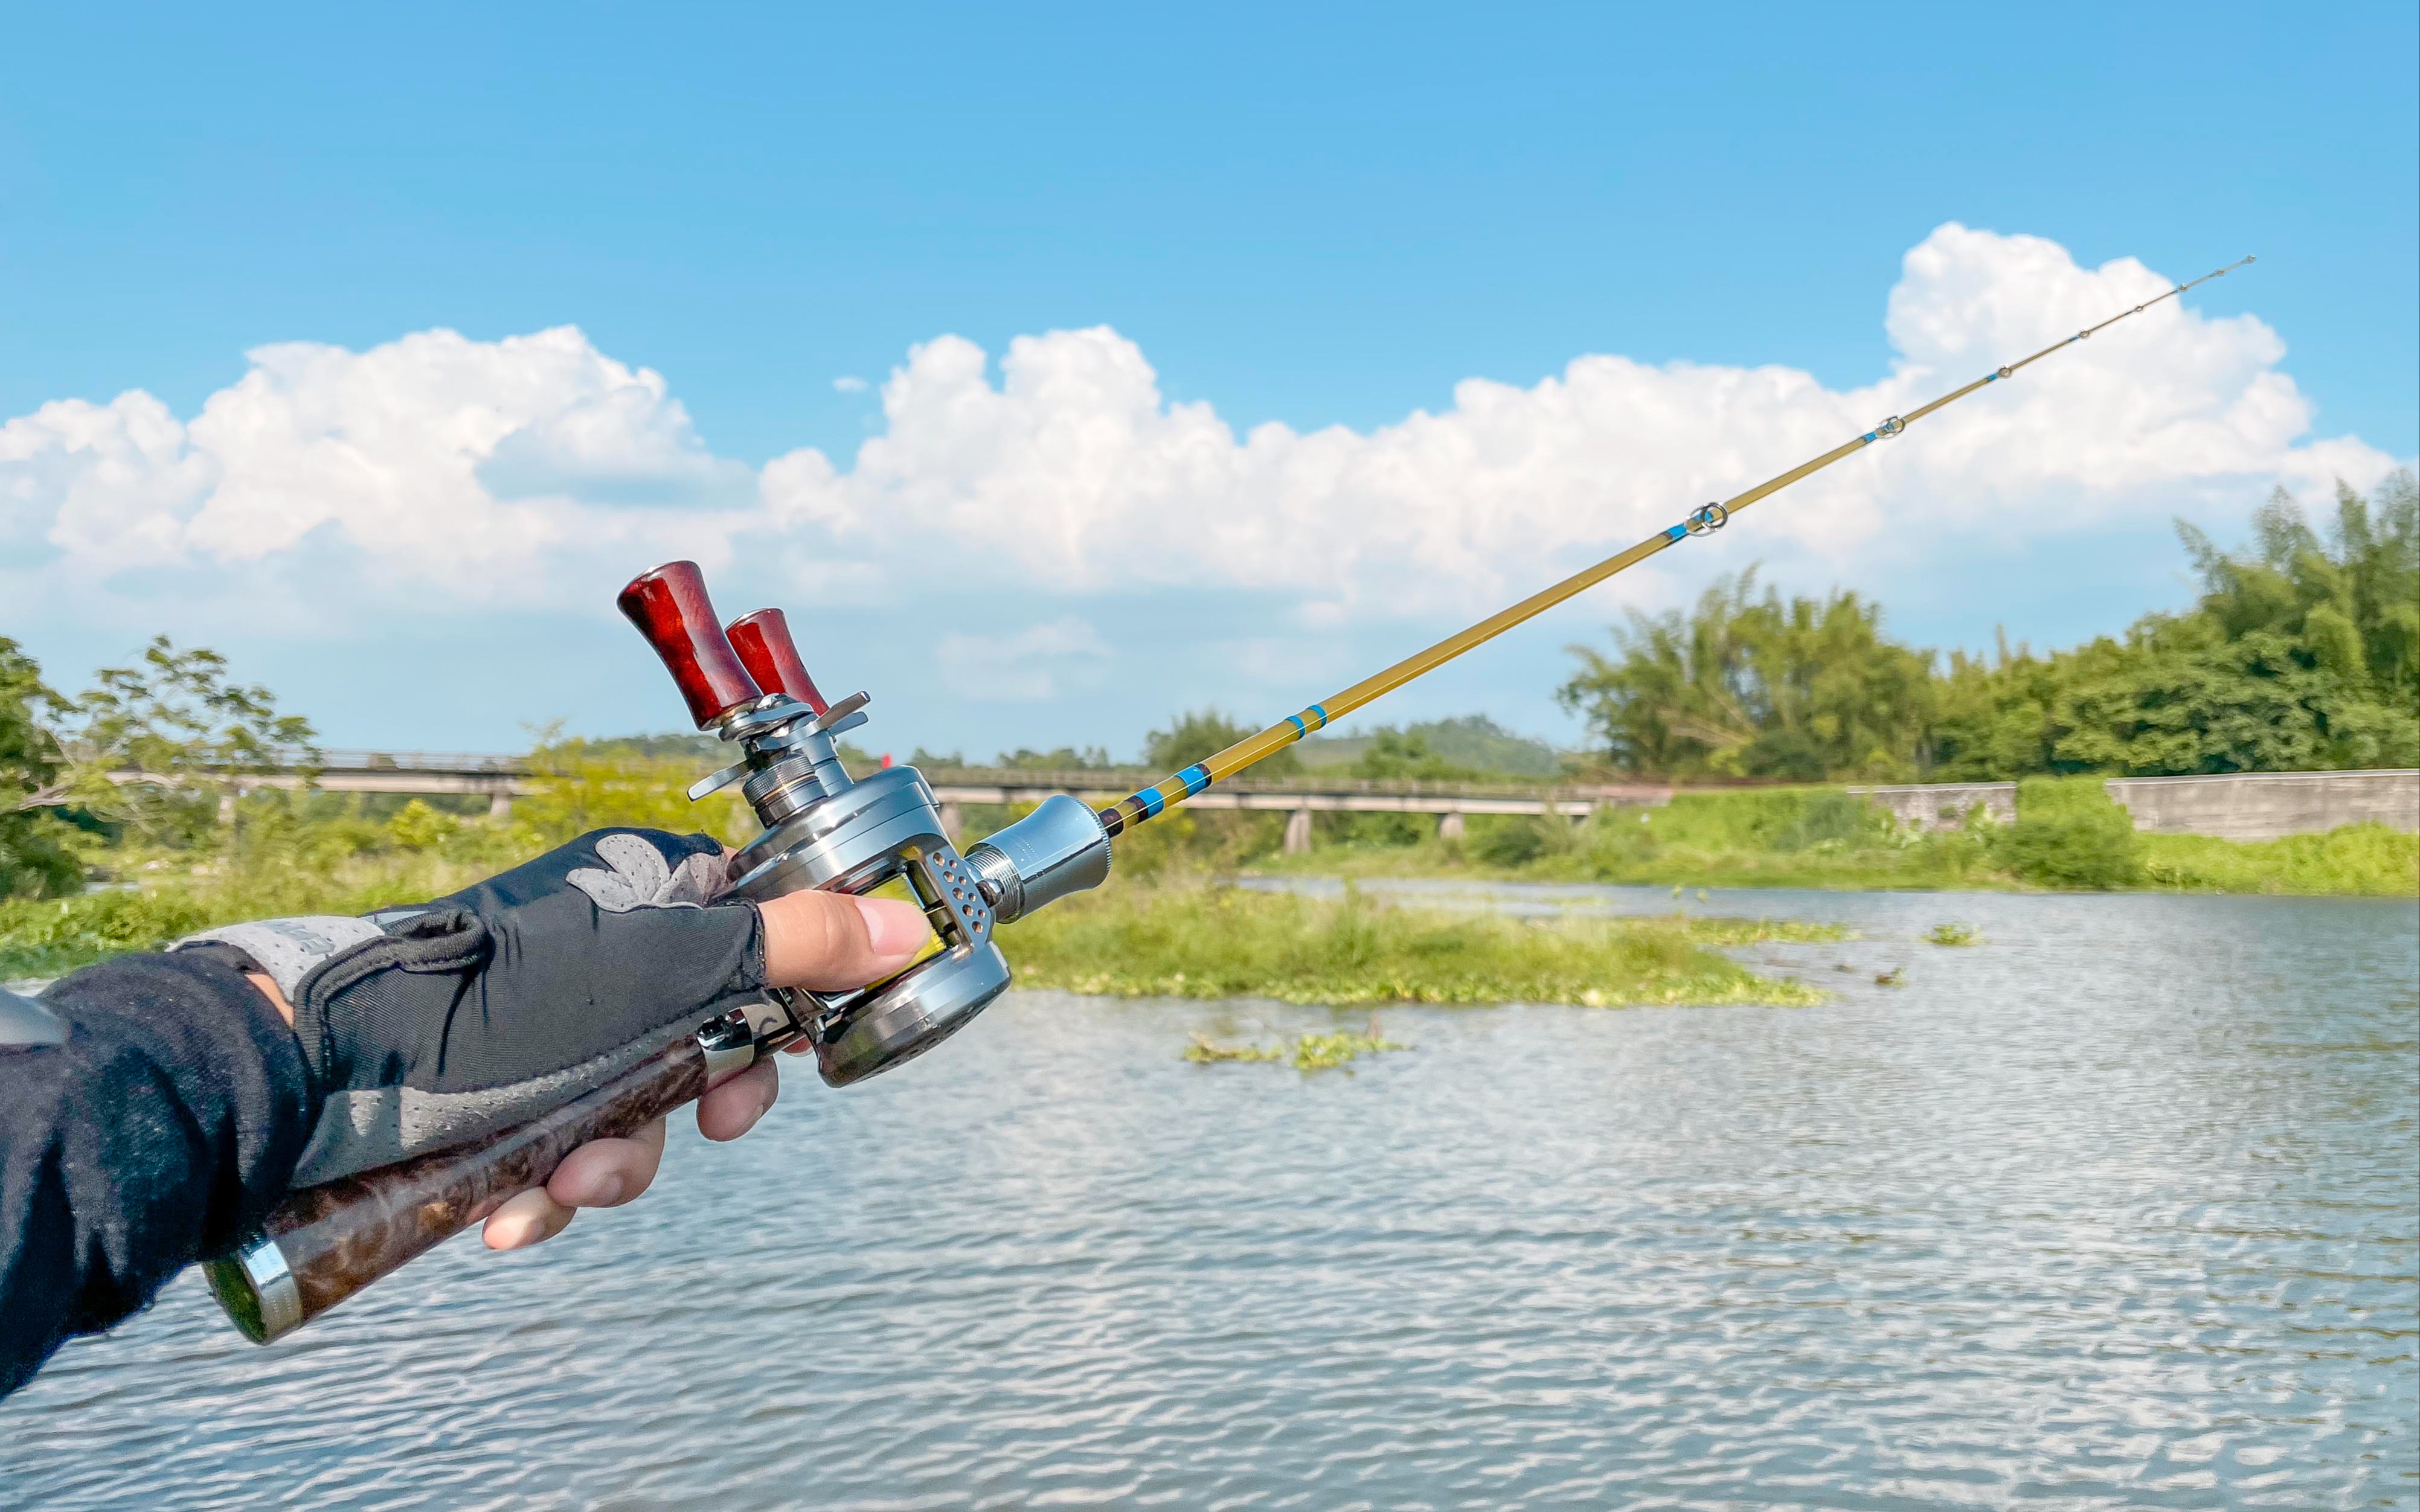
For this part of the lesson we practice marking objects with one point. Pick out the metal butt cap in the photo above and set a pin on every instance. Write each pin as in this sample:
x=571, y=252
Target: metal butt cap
x=257, y=1290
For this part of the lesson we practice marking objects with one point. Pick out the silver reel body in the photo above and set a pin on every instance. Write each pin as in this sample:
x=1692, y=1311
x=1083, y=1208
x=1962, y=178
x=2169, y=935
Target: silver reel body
x=827, y=831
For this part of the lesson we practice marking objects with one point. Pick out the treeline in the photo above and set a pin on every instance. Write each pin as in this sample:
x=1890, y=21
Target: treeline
x=2303, y=654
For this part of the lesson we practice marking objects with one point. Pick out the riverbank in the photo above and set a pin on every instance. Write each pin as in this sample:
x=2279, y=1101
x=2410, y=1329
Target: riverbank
x=2074, y=839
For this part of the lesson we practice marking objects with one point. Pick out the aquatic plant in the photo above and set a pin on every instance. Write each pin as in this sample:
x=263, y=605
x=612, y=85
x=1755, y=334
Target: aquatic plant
x=1205, y=1051
x=1953, y=934
x=1321, y=1052
x=1311, y=1050
x=1226, y=942
x=1895, y=977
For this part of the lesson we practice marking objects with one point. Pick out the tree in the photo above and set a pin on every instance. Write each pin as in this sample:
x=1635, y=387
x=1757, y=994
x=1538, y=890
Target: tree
x=2302, y=653
x=193, y=736
x=32, y=859
x=1746, y=686
x=1191, y=737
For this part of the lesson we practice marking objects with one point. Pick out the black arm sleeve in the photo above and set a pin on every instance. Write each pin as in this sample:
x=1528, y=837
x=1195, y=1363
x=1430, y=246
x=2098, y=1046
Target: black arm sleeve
x=162, y=1130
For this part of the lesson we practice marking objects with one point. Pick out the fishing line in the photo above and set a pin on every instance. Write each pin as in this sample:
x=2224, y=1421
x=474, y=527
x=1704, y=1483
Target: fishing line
x=1150, y=802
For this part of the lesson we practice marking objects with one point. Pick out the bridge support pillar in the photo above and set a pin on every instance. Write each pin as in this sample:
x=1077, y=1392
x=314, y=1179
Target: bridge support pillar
x=1450, y=828
x=1297, y=835
x=500, y=806
x=953, y=823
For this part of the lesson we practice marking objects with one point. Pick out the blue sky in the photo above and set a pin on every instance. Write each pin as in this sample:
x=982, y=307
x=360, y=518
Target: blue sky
x=1312, y=220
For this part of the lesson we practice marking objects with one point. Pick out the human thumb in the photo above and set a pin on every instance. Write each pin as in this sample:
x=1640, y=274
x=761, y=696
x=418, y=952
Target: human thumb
x=831, y=940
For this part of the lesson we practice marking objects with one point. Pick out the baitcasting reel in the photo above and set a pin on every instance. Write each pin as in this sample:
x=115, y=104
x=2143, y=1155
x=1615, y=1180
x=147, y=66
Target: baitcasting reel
x=880, y=833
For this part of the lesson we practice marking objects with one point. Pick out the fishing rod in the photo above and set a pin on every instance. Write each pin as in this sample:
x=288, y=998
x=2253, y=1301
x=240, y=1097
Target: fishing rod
x=1150, y=802
x=826, y=829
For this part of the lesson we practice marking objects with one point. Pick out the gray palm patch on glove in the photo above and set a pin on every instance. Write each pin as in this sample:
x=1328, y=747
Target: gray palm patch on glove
x=288, y=949
x=640, y=878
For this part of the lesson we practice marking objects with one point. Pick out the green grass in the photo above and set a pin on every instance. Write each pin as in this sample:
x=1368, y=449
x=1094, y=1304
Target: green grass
x=2366, y=860
x=1193, y=942
x=46, y=937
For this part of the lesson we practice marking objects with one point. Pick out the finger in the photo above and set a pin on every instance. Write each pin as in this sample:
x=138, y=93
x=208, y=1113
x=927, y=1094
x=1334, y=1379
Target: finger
x=606, y=1173
x=733, y=1108
x=827, y=940
x=527, y=1218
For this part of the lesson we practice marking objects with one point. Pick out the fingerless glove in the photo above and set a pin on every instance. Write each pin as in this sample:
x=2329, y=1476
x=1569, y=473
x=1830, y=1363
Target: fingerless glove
x=436, y=1023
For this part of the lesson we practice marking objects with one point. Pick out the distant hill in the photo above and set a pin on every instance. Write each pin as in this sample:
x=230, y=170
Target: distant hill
x=1474, y=740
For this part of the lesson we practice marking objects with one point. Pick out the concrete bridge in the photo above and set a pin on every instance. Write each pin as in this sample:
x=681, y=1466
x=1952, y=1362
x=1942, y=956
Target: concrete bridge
x=502, y=779
x=1301, y=797
x=2240, y=806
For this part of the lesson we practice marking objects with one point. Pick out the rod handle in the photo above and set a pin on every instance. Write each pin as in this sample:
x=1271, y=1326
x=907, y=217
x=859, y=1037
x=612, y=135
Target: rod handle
x=670, y=609
x=323, y=1243
x=763, y=640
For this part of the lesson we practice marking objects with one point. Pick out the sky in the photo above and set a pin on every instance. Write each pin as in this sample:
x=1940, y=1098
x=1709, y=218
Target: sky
x=1060, y=371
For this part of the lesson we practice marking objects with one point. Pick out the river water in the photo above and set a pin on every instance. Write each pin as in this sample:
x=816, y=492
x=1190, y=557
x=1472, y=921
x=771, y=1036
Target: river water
x=2116, y=1209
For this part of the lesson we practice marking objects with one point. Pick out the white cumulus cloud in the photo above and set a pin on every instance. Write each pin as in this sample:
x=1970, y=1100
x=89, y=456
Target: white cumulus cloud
x=1076, y=470
x=481, y=470
x=437, y=471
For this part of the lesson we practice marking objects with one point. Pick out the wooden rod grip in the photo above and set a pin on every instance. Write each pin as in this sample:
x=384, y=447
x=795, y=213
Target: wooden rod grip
x=323, y=1243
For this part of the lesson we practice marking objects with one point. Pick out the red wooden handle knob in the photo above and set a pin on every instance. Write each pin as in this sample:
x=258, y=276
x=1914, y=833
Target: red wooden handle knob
x=670, y=608
x=764, y=647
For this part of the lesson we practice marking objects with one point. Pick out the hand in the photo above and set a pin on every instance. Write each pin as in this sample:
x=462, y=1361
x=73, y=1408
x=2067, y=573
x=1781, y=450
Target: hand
x=429, y=1024
x=821, y=940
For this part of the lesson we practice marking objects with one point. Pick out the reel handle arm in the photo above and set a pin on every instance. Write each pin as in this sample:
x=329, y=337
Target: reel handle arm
x=672, y=610
x=762, y=638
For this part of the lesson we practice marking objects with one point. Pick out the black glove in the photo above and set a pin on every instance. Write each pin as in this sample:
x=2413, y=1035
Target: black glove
x=433, y=1026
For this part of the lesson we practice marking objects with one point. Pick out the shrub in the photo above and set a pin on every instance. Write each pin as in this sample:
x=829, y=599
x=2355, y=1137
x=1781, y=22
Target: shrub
x=1510, y=843
x=2070, y=833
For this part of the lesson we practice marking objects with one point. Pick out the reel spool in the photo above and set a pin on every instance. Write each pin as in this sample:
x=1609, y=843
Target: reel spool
x=826, y=829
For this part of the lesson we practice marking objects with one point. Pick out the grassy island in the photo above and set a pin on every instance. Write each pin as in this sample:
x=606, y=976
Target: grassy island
x=1180, y=941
